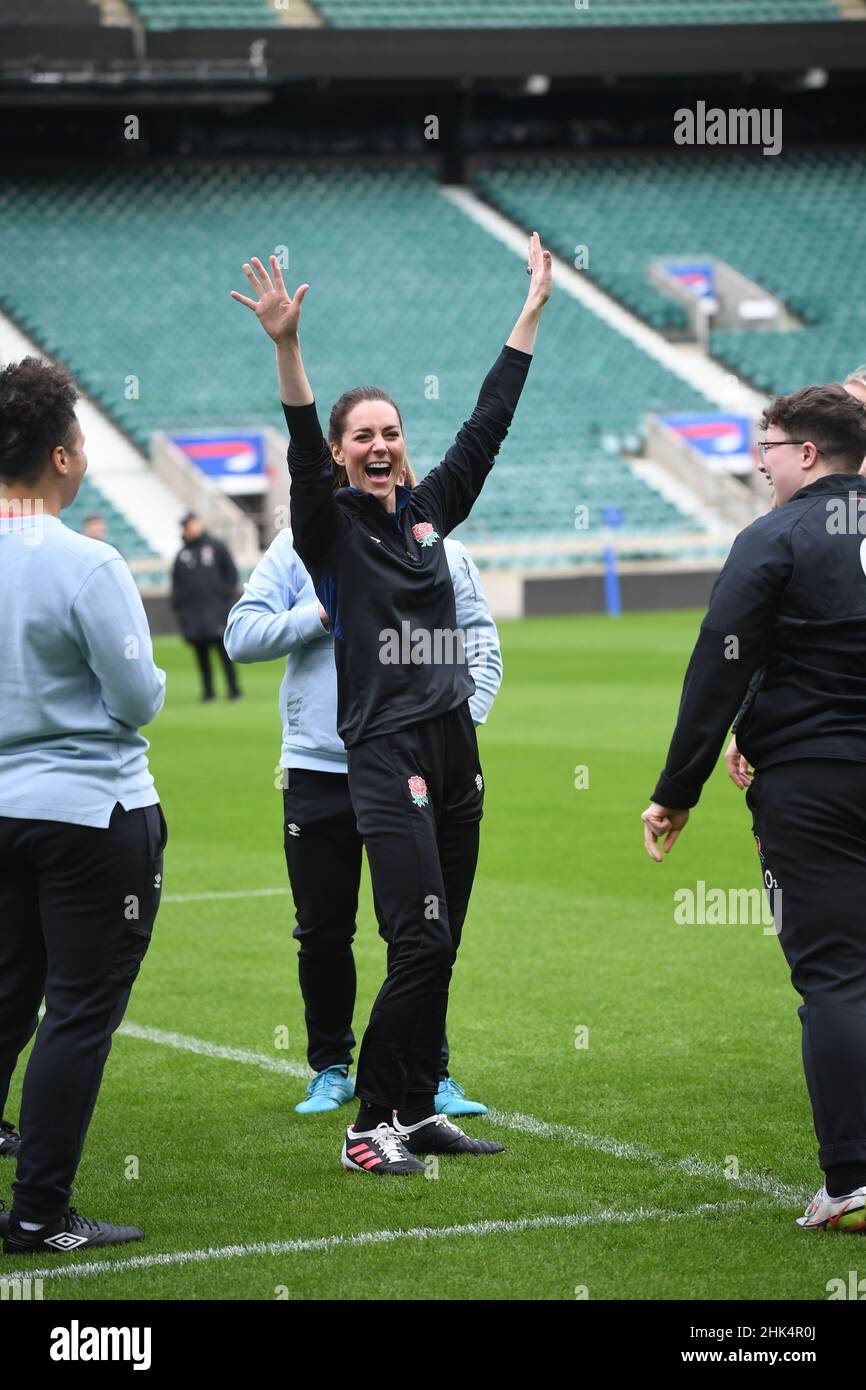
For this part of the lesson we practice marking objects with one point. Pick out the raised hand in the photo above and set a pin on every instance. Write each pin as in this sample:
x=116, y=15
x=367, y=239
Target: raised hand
x=275, y=309
x=540, y=267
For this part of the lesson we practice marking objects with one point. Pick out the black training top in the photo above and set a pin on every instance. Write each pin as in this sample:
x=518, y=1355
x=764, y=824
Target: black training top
x=383, y=578
x=786, y=628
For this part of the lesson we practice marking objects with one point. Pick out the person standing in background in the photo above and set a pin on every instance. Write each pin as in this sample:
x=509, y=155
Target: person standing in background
x=94, y=527
x=203, y=589
x=82, y=832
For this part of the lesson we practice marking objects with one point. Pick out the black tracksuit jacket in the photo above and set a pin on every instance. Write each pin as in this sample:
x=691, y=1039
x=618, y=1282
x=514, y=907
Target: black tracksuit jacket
x=374, y=571
x=785, y=637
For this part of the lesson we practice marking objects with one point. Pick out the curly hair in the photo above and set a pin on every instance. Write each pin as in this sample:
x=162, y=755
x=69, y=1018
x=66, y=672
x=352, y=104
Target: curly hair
x=37, y=413
x=828, y=417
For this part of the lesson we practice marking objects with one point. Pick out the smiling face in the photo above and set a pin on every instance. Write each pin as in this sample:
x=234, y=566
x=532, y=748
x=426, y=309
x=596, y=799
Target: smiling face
x=788, y=466
x=372, y=450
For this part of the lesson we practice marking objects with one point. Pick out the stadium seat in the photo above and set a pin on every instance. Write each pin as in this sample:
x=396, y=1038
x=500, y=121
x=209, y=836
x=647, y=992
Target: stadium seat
x=764, y=217
x=589, y=391
x=356, y=14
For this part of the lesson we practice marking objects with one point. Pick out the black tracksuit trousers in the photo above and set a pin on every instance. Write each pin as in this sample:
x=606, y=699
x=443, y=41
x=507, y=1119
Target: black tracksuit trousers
x=323, y=854
x=809, y=820
x=77, y=908
x=416, y=800
x=202, y=656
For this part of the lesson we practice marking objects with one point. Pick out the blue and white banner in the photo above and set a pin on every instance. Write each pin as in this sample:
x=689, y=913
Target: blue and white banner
x=724, y=440
x=698, y=277
x=236, y=462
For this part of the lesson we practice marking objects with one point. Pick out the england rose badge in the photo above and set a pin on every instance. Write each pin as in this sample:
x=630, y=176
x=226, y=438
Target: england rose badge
x=424, y=533
x=418, y=788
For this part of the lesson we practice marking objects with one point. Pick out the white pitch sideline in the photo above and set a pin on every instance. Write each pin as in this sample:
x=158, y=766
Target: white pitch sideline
x=327, y=1243
x=233, y=893
x=692, y=1166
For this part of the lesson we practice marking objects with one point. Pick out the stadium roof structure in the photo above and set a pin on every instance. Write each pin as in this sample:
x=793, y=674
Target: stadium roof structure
x=46, y=57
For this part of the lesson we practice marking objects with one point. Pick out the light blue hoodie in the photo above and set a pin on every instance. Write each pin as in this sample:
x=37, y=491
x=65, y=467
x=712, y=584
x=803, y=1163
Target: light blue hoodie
x=77, y=677
x=279, y=616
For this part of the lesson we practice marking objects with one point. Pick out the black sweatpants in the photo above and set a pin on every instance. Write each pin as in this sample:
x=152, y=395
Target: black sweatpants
x=418, y=798
x=202, y=652
x=77, y=908
x=323, y=856
x=809, y=821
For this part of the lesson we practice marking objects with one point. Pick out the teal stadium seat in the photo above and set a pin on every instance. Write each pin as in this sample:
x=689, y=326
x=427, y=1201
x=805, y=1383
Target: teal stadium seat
x=767, y=217
x=357, y=14
x=149, y=256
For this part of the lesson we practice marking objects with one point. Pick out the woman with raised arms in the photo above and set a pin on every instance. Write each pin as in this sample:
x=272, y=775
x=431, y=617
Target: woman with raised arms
x=374, y=551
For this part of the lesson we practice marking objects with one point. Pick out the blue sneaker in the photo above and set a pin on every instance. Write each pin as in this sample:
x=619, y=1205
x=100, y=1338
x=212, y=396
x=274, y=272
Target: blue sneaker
x=450, y=1099
x=328, y=1090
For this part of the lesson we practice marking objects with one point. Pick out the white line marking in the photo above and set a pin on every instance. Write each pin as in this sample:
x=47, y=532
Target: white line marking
x=297, y=1247
x=692, y=1166
x=236, y=893
x=184, y=1043
x=525, y=1124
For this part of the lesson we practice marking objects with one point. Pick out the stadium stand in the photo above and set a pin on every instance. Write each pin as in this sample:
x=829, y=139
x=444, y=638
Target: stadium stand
x=767, y=218
x=428, y=14
x=357, y=14
x=206, y=14
x=148, y=316
x=120, y=531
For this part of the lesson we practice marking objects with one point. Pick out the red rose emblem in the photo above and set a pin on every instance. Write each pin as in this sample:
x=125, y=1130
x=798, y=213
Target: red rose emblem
x=418, y=788
x=424, y=533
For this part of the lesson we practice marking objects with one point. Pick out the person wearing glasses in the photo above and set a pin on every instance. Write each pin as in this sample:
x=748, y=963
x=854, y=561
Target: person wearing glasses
x=784, y=642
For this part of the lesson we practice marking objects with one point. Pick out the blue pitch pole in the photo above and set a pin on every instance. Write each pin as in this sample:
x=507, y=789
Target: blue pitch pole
x=613, y=517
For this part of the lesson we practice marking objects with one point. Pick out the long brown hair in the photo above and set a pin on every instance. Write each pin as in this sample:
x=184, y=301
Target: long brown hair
x=337, y=423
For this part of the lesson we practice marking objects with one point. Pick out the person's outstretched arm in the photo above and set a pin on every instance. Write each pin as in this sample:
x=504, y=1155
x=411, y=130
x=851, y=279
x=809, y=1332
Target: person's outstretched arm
x=449, y=491
x=270, y=620
x=317, y=521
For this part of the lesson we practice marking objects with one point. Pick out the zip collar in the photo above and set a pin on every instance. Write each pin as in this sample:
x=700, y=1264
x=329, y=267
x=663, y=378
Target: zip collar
x=830, y=483
x=404, y=495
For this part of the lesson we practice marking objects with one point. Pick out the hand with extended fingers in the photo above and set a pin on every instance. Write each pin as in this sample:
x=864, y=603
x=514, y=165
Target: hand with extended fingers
x=540, y=267
x=274, y=308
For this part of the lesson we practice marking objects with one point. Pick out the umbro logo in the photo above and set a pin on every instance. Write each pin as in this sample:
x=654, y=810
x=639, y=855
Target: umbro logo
x=65, y=1241
x=293, y=829
x=157, y=881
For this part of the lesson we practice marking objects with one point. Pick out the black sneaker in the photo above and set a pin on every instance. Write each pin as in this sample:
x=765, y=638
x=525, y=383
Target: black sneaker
x=10, y=1142
x=68, y=1232
x=439, y=1135
x=379, y=1151
x=4, y=1219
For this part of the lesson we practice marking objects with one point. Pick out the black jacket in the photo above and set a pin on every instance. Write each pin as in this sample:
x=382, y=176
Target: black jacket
x=786, y=629
x=204, y=584
x=384, y=579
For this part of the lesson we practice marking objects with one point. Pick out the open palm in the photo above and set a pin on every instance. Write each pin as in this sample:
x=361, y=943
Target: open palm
x=277, y=312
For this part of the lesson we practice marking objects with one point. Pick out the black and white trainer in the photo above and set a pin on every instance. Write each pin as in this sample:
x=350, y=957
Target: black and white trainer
x=380, y=1150
x=439, y=1135
x=10, y=1142
x=69, y=1232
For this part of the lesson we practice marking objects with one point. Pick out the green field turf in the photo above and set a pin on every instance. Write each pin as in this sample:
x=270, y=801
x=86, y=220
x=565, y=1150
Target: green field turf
x=693, y=1056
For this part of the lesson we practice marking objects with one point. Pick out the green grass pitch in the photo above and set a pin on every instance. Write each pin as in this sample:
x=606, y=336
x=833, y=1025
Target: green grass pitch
x=623, y=1187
